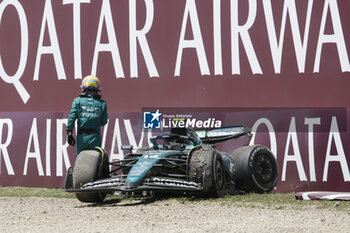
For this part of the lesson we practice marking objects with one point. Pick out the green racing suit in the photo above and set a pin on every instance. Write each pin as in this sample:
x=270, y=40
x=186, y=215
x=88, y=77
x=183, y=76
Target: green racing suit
x=91, y=113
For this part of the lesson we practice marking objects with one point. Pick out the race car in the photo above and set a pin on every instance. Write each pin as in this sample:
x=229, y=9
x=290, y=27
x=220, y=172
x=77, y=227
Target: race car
x=183, y=160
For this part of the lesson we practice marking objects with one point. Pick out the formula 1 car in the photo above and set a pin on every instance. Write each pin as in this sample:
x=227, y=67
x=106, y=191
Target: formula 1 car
x=182, y=160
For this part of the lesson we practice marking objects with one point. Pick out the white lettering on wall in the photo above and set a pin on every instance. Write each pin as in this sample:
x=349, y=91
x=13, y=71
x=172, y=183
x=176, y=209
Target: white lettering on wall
x=241, y=37
x=242, y=31
x=61, y=148
x=277, y=47
x=33, y=138
x=116, y=137
x=48, y=147
x=140, y=36
x=131, y=137
x=336, y=38
x=311, y=122
x=340, y=157
x=332, y=153
x=292, y=136
x=197, y=42
x=54, y=48
x=272, y=134
x=112, y=46
x=76, y=35
x=3, y=146
x=104, y=137
x=14, y=79
x=217, y=37
x=116, y=152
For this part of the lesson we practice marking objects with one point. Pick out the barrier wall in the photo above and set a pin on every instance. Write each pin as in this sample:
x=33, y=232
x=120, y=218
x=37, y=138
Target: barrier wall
x=265, y=55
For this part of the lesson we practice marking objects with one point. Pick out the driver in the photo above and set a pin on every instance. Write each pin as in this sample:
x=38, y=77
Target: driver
x=91, y=113
x=174, y=143
x=169, y=142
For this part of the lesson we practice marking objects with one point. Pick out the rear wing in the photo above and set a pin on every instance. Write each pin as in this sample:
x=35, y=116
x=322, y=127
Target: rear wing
x=217, y=135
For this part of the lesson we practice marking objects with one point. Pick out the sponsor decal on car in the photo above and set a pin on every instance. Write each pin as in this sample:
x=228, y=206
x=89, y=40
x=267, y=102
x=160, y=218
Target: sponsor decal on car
x=171, y=182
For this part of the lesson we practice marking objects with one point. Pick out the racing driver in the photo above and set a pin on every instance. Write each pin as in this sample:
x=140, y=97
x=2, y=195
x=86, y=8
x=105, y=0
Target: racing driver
x=91, y=112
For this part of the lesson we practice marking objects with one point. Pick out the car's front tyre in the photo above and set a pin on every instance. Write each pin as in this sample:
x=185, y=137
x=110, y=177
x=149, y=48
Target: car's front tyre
x=206, y=168
x=89, y=167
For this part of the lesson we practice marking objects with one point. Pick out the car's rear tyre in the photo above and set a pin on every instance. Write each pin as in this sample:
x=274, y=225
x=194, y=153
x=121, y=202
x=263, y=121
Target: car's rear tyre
x=89, y=167
x=206, y=168
x=256, y=169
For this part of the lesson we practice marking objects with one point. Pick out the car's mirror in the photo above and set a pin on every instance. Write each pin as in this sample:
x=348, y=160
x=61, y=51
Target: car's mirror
x=127, y=147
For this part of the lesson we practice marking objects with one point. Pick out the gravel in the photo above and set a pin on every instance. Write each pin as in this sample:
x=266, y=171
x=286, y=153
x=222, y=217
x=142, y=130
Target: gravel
x=170, y=215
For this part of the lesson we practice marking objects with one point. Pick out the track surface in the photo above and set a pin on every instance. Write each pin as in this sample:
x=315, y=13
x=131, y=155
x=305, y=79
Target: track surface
x=170, y=215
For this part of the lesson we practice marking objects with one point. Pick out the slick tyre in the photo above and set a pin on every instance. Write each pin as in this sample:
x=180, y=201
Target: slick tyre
x=256, y=169
x=89, y=167
x=206, y=168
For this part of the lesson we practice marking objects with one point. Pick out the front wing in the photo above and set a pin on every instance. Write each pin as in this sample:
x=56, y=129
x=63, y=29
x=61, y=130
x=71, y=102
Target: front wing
x=118, y=183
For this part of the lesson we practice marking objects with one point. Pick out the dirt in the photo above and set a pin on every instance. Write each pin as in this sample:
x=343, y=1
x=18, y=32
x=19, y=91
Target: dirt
x=170, y=215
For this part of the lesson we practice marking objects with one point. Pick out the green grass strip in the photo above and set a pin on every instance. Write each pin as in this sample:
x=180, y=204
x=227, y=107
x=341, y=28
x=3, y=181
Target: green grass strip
x=34, y=192
x=276, y=201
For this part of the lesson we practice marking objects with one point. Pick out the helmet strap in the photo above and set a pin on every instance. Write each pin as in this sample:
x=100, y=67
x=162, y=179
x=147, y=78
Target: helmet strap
x=90, y=93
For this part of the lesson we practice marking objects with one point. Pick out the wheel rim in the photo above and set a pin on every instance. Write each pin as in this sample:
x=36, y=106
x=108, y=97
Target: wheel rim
x=263, y=168
x=219, y=175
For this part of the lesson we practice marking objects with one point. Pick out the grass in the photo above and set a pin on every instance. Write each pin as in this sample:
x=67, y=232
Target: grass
x=280, y=201
x=34, y=192
x=277, y=201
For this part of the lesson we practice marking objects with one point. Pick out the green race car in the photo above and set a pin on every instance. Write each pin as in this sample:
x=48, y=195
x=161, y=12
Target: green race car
x=183, y=160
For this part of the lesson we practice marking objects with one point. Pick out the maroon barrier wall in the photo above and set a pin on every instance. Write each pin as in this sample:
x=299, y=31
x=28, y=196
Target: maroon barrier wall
x=184, y=53
x=309, y=144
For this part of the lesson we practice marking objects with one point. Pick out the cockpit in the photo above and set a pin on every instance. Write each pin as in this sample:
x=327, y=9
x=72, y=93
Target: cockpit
x=177, y=139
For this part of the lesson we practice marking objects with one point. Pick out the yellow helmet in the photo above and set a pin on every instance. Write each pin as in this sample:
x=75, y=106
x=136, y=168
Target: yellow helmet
x=91, y=83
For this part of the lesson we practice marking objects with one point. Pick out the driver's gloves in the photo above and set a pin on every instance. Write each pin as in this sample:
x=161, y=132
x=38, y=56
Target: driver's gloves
x=71, y=140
